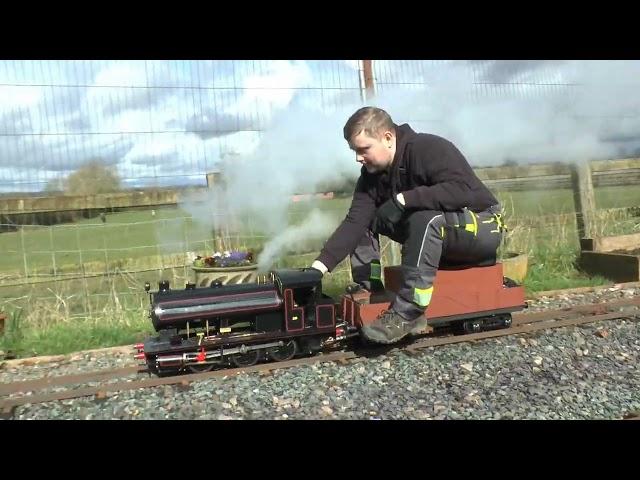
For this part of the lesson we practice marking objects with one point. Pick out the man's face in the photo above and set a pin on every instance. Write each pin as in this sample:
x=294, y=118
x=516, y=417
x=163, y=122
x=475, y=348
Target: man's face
x=376, y=154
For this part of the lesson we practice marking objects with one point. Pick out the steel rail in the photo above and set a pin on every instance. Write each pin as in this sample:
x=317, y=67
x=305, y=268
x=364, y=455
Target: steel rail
x=522, y=323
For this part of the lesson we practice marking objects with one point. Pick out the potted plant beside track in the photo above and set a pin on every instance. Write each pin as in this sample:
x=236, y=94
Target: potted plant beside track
x=229, y=267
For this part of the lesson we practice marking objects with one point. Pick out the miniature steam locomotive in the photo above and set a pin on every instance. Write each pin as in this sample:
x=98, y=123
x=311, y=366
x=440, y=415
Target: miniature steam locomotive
x=286, y=314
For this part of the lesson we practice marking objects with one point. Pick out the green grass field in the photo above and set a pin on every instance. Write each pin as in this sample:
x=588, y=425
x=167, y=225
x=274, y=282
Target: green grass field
x=104, y=310
x=125, y=235
x=136, y=234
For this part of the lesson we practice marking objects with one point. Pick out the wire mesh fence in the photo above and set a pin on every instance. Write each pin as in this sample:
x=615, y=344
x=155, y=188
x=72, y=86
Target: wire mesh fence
x=94, y=260
x=56, y=115
x=161, y=123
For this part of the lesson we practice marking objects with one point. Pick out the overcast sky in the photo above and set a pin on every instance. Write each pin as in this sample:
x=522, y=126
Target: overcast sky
x=170, y=122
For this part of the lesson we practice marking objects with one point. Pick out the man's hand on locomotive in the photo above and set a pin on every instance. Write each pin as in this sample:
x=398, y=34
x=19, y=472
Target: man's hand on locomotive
x=388, y=214
x=318, y=265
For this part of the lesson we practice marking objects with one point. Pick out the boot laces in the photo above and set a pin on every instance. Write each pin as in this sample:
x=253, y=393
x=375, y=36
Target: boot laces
x=388, y=317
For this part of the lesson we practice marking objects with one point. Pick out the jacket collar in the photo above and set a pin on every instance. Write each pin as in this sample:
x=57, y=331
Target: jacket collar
x=404, y=133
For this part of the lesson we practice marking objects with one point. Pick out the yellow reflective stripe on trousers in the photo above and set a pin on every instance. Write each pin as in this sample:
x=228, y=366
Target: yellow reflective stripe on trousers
x=500, y=225
x=376, y=271
x=472, y=227
x=422, y=296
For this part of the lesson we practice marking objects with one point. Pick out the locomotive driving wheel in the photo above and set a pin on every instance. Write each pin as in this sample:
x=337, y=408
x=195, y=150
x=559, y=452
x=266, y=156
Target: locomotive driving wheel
x=246, y=359
x=200, y=367
x=285, y=352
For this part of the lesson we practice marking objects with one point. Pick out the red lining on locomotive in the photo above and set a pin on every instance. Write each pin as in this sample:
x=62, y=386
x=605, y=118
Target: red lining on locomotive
x=290, y=311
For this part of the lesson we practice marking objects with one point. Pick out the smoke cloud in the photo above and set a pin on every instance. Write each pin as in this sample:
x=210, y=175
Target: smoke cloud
x=294, y=238
x=303, y=149
x=526, y=111
x=493, y=111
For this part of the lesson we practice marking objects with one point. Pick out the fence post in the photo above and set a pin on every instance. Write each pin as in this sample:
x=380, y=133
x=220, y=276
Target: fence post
x=392, y=248
x=24, y=252
x=370, y=91
x=161, y=253
x=369, y=86
x=104, y=246
x=213, y=179
x=84, y=271
x=186, y=248
x=53, y=254
x=584, y=199
x=214, y=182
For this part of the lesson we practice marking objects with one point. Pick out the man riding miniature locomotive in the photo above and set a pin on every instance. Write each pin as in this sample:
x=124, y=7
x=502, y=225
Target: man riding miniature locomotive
x=419, y=190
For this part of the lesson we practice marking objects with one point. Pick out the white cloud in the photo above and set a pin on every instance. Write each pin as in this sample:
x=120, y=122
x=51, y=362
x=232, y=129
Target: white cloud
x=12, y=96
x=124, y=74
x=557, y=111
x=91, y=106
x=353, y=64
x=272, y=90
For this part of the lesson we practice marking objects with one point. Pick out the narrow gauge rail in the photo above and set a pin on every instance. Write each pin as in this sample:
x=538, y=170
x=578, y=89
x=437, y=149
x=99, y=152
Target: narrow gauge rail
x=522, y=323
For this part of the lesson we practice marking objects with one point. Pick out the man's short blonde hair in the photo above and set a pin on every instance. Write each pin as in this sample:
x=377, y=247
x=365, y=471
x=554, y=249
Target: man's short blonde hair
x=374, y=121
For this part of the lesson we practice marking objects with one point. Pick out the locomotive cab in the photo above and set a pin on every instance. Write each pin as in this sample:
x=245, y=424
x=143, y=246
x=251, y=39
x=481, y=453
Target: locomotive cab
x=305, y=306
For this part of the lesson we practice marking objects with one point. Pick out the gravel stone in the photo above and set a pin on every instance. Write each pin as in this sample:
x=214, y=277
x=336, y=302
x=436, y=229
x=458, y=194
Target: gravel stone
x=585, y=372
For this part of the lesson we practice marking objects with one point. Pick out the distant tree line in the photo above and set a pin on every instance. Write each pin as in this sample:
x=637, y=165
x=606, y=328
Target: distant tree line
x=90, y=179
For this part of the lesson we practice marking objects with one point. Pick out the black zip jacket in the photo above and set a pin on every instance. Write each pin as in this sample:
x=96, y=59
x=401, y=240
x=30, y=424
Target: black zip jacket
x=430, y=172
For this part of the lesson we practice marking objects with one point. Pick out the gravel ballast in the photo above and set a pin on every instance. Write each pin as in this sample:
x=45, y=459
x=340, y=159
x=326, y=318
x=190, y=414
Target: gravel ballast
x=584, y=372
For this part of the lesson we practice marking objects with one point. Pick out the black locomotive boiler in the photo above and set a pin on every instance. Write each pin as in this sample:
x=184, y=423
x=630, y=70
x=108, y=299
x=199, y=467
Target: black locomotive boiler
x=198, y=328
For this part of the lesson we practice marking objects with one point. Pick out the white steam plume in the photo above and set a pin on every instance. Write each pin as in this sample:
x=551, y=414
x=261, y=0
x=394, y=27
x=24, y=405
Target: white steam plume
x=317, y=226
x=303, y=149
x=542, y=112
x=579, y=111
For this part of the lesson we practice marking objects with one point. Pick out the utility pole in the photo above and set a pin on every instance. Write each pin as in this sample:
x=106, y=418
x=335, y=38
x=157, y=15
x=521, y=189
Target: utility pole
x=369, y=88
x=369, y=94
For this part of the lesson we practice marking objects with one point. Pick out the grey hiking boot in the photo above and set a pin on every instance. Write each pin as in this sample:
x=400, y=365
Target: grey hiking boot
x=421, y=325
x=390, y=327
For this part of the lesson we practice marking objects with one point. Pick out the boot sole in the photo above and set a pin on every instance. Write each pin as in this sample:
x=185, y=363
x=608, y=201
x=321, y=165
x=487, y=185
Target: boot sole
x=422, y=325
x=420, y=328
x=384, y=341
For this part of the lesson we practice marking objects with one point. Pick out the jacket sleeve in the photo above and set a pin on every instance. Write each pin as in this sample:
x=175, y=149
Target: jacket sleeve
x=444, y=174
x=346, y=237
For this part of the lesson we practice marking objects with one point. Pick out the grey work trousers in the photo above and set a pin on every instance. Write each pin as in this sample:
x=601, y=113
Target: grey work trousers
x=430, y=240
